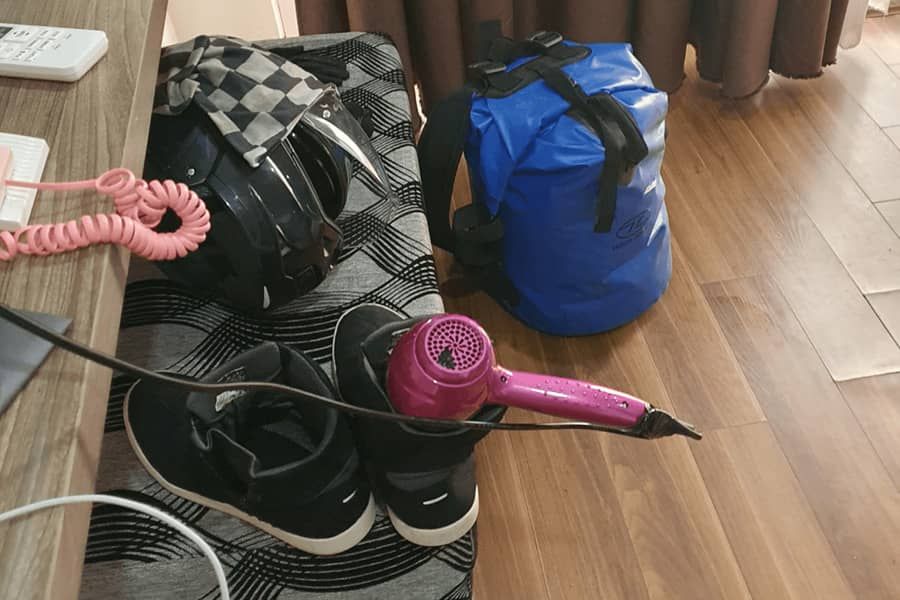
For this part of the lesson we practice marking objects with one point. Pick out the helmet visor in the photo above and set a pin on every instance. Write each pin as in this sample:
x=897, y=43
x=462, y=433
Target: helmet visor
x=330, y=118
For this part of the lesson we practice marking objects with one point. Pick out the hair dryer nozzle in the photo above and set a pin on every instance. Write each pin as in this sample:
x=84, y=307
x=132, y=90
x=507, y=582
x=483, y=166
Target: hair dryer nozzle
x=658, y=423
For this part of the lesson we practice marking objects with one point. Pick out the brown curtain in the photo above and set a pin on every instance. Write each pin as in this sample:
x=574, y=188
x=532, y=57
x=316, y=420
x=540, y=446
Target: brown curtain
x=737, y=41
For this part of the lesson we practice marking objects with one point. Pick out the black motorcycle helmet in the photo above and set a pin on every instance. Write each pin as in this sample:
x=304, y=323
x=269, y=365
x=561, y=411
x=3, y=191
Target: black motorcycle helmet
x=273, y=233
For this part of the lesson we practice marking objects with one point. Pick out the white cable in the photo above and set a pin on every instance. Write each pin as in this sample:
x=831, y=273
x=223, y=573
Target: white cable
x=133, y=505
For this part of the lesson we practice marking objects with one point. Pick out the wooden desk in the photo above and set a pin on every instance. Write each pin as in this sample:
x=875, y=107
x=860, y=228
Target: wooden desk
x=50, y=436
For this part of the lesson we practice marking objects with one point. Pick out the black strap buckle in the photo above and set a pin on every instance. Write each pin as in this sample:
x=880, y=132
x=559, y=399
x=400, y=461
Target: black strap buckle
x=479, y=248
x=546, y=39
x=479, y=72
x=478, y=236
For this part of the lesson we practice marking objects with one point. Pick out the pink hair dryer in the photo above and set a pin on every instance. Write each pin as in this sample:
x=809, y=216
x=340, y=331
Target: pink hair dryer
x=444, y=367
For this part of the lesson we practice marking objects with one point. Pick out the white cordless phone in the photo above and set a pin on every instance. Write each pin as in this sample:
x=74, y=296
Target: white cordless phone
x=54, y=53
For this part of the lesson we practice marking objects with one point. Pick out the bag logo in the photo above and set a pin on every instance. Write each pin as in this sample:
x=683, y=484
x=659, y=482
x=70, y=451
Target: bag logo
x=226, y=398
x=634, y=227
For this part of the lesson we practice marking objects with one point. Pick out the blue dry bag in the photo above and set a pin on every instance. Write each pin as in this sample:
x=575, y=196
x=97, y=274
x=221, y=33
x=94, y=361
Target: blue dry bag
x=564, y=142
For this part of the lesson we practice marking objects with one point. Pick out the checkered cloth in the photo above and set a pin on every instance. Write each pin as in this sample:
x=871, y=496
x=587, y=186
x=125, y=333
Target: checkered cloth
x=253, y=96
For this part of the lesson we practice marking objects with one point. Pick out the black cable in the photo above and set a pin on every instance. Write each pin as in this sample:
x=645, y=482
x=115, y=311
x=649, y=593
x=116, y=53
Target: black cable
x=117, y=364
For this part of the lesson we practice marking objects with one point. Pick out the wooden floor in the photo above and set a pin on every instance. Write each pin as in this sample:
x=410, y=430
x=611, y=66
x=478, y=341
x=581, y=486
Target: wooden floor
x=777, y=336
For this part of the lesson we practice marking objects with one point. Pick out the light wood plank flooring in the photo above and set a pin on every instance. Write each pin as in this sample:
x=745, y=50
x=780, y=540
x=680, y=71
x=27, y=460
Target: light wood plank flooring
x=778, y=336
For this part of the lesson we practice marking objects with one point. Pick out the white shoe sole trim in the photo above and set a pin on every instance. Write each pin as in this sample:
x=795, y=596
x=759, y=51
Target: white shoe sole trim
x=323, y=546
x=437, y=537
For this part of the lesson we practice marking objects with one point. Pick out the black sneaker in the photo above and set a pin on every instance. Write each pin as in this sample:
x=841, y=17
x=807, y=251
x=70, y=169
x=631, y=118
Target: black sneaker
x=283, y=464
x=426, y=478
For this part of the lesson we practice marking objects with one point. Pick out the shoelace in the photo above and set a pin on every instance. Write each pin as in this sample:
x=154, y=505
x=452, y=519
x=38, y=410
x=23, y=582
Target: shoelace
x=140, y=206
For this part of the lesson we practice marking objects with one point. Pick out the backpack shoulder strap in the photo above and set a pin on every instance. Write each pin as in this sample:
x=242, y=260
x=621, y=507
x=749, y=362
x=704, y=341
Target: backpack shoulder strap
x=476, y=238
x=440, y=149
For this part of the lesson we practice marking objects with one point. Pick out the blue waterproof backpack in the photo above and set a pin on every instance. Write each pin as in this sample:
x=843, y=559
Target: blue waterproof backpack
x=564, y=142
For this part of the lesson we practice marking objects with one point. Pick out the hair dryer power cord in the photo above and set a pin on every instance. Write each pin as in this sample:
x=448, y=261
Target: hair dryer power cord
x=117, y=364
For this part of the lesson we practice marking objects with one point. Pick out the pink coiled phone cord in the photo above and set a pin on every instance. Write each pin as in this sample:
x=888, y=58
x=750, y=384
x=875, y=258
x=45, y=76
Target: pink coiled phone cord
x=140, y=206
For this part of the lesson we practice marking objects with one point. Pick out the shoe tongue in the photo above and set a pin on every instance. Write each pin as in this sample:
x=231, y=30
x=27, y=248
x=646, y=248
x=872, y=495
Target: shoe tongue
x=223, y=411
x=377, y=348
x=378, y=345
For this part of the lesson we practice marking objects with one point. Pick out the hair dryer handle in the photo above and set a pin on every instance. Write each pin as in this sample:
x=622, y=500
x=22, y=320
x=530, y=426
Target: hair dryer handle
x=567, y=398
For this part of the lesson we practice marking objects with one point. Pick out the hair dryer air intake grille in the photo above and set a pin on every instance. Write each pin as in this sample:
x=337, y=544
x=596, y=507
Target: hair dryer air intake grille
x=455, y=345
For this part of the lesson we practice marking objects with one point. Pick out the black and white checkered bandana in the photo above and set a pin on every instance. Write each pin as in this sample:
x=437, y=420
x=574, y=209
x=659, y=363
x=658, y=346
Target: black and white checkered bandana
x=253, y=96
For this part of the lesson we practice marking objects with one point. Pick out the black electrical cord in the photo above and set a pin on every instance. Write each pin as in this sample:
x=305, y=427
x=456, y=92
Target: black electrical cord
x=117, y=364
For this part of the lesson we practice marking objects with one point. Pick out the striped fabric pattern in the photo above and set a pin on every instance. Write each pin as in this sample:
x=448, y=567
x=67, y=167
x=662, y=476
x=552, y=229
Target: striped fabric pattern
x=164, y=326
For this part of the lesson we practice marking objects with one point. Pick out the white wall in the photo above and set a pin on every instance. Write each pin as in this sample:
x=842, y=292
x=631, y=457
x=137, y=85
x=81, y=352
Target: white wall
x=288, y=10
x=248, y=19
